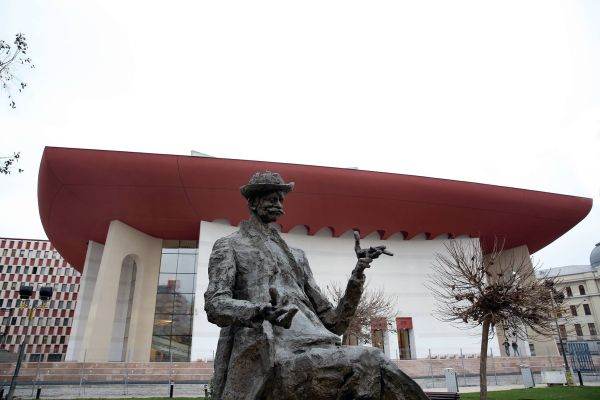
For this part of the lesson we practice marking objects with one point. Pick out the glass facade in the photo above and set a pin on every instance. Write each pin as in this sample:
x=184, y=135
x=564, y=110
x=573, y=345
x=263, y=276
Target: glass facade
x=173, y=313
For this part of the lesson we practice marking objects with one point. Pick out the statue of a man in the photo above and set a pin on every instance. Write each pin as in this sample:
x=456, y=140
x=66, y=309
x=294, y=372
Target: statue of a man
x=280, y=336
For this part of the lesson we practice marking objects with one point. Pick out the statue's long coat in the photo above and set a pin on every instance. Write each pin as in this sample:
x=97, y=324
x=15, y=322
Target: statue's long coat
x=241, y=270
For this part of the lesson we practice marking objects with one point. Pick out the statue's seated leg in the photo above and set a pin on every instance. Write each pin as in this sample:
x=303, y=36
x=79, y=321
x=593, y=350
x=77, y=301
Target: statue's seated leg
x=347, y=372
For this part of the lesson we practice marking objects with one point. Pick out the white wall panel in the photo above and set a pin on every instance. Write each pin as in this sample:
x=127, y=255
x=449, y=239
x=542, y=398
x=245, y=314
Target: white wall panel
x=332, y=259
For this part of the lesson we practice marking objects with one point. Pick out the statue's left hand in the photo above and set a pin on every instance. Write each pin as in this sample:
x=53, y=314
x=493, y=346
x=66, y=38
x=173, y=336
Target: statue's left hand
x=366, y=256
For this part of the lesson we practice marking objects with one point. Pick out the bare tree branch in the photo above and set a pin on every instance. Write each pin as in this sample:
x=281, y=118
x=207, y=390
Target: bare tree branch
x=7, y=163
x=14, y=57
x=373, y=304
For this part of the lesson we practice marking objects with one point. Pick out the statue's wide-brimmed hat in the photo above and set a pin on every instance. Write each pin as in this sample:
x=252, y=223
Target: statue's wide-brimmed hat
x=264, y=182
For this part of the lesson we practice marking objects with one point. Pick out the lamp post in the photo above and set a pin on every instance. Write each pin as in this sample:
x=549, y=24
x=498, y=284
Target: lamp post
x=558, y=298
x=25, y=293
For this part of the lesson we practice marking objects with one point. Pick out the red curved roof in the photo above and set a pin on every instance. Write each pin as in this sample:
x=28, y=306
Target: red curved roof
x=166, y=196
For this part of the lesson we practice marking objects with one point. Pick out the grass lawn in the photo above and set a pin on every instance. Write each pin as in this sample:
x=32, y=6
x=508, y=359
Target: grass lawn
x=546, y=393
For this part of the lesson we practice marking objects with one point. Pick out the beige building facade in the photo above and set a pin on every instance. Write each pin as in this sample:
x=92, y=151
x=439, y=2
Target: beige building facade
x=580, y=285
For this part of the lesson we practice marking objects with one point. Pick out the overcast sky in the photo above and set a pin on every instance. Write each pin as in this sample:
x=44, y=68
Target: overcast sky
x=506, y=93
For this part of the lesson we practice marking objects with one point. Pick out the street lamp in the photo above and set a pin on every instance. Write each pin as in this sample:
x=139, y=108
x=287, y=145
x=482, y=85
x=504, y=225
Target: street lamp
x=25, y=293
x=558, y=298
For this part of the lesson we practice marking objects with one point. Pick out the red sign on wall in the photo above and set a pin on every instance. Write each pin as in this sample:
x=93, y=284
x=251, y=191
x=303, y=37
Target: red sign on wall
x=403, y=323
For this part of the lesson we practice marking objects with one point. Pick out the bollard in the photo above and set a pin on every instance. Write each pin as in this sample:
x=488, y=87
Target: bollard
x=580, y=378
x=527, y=376
x=451, y=381
x=171, y=391
x=38, y=393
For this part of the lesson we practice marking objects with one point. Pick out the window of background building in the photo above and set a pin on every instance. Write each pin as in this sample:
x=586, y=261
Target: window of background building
x=581, y=290
x=563, y=331
x=171, y=337
x=569, y=291
x=54, y=357
x=573, y=310
x=586, y=309
x=592, y=328
x=532, y=349
x=578, y=330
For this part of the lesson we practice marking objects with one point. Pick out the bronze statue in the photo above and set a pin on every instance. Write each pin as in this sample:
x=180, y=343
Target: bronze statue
x=280, y=336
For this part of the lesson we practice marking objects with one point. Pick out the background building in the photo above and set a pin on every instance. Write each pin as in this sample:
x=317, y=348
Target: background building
x=581, y=287
x=141, y=228
x=36, y=263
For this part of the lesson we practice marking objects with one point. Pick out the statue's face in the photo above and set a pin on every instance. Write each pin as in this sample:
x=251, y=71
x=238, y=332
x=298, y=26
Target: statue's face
x=268, y=207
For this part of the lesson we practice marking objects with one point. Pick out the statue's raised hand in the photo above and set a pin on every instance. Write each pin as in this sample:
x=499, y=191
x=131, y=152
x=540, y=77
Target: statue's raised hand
x=366, y=256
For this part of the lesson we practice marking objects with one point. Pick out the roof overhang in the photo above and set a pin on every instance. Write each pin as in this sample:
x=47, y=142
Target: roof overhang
x=81, y=191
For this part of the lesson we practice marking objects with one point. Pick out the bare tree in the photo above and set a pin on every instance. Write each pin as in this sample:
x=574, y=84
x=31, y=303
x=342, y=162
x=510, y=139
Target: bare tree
x=494, y=290
x=7, y=163
x=12, y=58
x=373, y=304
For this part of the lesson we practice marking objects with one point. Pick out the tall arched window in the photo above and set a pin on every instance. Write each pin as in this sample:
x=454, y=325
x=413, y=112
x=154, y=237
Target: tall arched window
x=581, y=290
x=569, y=292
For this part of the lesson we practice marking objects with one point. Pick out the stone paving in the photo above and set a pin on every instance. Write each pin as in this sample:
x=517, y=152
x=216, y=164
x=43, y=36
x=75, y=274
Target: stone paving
x=182, y=390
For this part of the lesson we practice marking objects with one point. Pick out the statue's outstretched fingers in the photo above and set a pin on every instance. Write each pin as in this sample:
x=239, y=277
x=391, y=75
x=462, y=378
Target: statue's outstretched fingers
x=357, y=248
x=274, y=295
x=286, y=321
x=273, y=315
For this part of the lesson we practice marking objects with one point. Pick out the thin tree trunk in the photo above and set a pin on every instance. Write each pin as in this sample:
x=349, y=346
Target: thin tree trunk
x=483, y=360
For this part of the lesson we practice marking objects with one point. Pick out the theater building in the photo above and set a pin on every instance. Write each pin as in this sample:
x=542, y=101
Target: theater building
x=140, y=228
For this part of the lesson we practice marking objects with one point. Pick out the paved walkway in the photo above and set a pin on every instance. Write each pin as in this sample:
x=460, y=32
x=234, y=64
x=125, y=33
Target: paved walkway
x=108, y=391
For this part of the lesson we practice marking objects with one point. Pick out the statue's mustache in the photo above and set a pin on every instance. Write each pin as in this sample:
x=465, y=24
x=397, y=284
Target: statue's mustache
x=276, y=210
